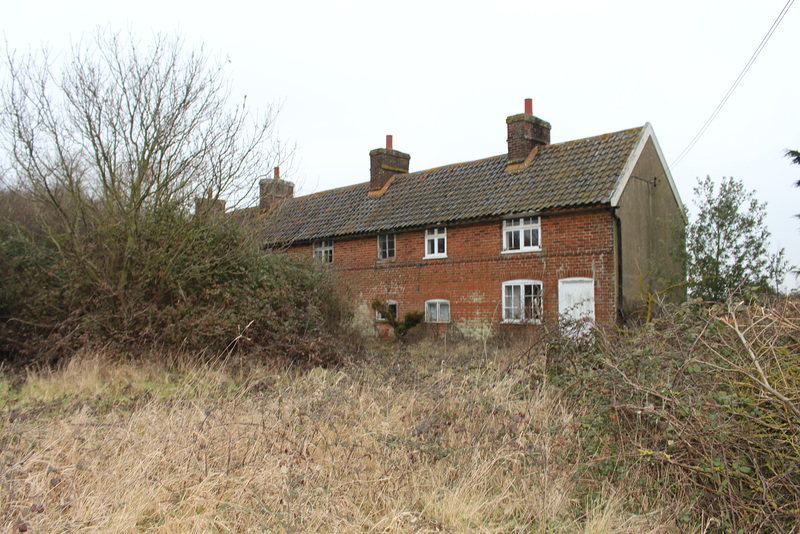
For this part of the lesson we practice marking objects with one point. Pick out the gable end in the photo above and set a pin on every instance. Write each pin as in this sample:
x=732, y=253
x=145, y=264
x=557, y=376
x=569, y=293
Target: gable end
x=627, y=170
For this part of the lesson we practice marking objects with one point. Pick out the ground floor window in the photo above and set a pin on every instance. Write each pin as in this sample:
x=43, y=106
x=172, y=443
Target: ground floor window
x=437, y=311
x=392, y=308
x=522, y=301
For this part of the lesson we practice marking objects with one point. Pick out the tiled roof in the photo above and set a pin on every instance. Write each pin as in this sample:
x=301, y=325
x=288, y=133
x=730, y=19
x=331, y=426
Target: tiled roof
x=581, y=172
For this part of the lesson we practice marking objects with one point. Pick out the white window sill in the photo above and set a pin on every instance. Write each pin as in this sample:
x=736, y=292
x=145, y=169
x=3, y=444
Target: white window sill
x=515, y=321
x=437, y=322
x=434, y=257
x=530, y=249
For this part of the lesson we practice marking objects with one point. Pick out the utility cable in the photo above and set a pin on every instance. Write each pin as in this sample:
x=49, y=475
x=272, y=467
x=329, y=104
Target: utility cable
x=735, y=83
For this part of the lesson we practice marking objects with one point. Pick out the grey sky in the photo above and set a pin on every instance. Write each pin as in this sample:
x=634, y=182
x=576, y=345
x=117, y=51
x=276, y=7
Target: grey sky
x=441, y=77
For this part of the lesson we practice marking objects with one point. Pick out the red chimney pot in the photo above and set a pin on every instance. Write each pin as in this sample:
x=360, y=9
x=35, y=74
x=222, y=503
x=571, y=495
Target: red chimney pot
x=277, y=173
x=388, y=142
x=529, y=106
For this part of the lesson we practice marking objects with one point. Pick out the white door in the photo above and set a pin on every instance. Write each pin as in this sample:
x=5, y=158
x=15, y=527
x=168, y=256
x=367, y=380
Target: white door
x=576, y=305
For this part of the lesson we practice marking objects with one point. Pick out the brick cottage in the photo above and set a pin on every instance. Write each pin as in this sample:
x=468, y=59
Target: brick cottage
x=576, y=229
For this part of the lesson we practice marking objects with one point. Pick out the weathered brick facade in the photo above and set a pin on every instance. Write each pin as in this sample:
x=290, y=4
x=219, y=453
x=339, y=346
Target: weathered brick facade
x=592, y=228
x=574, y=244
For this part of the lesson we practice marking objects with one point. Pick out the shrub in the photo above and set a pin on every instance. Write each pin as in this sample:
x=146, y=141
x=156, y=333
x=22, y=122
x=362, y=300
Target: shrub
x=707, y=400
x=109, y=150
x=411, y=319
x=212, y=291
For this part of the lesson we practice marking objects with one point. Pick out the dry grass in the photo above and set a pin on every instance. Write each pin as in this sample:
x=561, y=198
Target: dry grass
x=419, y=440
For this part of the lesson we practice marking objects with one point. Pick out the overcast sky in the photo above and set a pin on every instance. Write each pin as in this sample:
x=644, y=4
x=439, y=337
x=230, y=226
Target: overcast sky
x=442, y=76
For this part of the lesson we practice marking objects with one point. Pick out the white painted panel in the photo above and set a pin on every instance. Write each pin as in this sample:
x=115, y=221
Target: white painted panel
x=576, y=304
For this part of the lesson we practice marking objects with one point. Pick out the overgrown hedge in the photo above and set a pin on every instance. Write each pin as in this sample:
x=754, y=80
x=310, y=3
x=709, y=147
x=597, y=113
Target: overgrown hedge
x=705, y=406
x=207, y=288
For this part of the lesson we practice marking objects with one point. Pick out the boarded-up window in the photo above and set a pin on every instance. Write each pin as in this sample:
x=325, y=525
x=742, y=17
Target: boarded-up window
x=576, y=305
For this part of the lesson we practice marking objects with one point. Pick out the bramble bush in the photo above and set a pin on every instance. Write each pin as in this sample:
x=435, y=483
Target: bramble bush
x=705, y=405
x=212, y=290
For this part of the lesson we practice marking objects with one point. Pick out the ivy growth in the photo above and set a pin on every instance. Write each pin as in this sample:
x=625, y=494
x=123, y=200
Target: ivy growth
x=411, y=319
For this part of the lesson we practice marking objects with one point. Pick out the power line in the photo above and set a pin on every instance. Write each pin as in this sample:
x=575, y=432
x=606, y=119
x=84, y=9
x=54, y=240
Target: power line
x=735, y=83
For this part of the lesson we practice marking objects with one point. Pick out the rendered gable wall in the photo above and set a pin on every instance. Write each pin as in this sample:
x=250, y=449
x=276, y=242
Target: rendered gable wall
x=648, y=212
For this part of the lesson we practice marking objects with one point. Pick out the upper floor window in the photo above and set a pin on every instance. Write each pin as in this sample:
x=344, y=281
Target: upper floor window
x=436, y=243
x=323, y=251
x=522, y=235
x=386, y=247
x=437, y=311
x=392, y=308
x=522, y=301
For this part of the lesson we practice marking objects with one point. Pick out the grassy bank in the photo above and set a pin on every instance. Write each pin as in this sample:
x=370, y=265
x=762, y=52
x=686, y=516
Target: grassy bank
x=420, y=440
x=688, y=424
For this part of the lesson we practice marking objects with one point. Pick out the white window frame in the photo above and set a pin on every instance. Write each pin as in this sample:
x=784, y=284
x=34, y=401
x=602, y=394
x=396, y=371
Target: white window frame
x=383, y=247
x=392, y=304
x=518, y=231
x=438, y=304
x=436, y=240
x=323, y=250
x=521, y=312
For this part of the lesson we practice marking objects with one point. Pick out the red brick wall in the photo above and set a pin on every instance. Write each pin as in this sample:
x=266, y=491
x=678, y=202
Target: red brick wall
x=578, y=244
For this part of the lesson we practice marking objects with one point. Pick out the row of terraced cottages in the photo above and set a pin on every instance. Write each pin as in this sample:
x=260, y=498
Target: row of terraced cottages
x=579, y=229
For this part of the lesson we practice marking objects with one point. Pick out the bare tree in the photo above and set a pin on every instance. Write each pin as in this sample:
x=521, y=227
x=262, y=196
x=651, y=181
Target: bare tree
x=123, y=152
x=121, y=134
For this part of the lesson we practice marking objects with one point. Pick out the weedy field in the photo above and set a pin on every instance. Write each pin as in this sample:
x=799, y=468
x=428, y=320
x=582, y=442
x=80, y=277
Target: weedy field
x=672, y=427
x=422, y=439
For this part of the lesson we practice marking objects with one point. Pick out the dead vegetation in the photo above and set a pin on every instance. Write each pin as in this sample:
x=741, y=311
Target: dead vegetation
x=687, y=424
x=420, y=440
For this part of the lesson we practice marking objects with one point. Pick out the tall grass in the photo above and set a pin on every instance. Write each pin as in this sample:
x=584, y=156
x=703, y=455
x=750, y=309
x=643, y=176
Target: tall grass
x=686, y=424
x=419, y=439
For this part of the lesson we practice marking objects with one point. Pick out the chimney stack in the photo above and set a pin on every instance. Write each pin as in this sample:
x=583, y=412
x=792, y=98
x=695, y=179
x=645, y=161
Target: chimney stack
x=385, y=163
x=208, y=206
x=274, y=190
x=525, y=132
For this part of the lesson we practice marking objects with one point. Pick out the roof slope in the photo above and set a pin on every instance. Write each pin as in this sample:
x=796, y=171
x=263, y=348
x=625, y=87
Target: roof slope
x=582, y=172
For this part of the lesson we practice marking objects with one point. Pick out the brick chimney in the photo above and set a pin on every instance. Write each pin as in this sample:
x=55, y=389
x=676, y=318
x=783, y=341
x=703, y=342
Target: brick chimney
x=385, y=163
x=273, y=190
x=525, y=132
x=208, y=206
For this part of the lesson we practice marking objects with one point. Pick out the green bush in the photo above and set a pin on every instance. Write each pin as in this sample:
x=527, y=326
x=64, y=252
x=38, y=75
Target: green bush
x=106, y=242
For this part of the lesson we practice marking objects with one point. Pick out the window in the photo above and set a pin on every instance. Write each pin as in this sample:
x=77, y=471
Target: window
x=522, y=301
x=323, y=251
x=522, y=235
x=386, y=247
x=392, y=308
x=437, y=311
x=436, y=243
